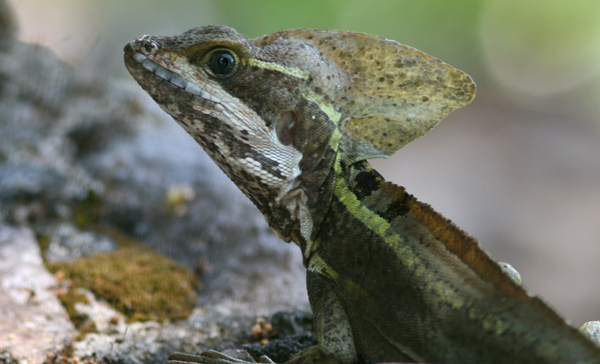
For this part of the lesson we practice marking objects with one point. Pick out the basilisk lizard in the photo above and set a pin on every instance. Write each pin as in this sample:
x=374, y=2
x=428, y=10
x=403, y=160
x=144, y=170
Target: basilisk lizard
x=291, y=118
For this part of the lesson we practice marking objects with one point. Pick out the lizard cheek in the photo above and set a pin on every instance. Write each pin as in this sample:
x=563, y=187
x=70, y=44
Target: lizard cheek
x=286, y=127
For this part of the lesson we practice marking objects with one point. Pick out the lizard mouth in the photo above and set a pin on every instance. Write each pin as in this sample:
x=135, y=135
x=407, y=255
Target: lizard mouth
x=153, y=77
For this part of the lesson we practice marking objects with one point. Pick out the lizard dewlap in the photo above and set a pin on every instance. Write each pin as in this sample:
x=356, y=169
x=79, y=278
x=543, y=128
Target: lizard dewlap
x=291, y=118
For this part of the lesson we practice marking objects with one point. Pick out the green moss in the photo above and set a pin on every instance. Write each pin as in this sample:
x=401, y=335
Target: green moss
x=138, y=282
x=69, y=299
x=43, y=242
x=88, y=211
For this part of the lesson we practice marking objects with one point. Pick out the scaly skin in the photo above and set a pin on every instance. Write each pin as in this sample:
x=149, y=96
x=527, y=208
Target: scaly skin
x=291, y=118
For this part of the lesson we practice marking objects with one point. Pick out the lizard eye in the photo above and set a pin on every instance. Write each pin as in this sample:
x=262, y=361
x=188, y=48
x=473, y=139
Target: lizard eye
x=222, y=62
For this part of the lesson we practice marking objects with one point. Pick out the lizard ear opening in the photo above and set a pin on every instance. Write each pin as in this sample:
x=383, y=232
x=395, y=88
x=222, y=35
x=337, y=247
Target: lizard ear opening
x=287, y=123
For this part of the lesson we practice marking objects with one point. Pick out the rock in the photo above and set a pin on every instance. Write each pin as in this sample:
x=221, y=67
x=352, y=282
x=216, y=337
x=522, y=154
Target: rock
x=591, y=329
x=32, y=320
x=67, y=243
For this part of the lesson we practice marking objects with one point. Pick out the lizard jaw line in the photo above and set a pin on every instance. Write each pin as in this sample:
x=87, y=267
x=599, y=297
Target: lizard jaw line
x=172, y=77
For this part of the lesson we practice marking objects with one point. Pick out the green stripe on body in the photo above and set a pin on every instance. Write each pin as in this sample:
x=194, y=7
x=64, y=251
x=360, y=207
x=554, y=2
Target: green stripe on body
x=371, y=219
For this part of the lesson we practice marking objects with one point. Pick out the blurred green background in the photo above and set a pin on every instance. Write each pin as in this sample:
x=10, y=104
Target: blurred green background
x=519, y=168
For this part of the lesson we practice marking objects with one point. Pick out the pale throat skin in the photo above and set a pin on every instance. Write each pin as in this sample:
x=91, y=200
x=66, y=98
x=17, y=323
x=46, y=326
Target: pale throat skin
x=291, y=118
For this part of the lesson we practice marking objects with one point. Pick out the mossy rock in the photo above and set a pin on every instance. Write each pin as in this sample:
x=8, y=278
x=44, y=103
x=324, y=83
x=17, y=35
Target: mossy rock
x=137, y=281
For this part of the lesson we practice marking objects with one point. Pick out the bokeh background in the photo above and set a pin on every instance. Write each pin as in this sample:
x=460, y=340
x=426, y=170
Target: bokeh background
x=519, y=168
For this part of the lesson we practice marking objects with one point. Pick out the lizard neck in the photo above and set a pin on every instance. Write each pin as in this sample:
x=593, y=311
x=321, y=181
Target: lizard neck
x=375, y=209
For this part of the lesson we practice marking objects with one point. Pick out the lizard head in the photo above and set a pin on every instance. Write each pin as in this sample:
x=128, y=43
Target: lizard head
x=276, y=112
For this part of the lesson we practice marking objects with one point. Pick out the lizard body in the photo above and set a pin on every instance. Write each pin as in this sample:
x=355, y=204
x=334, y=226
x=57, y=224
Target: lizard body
x=291, y=118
